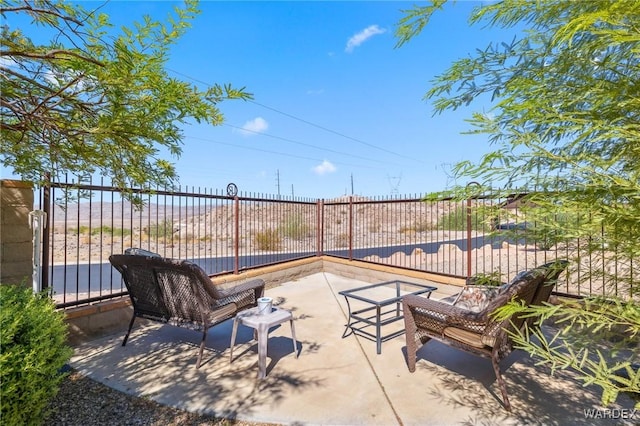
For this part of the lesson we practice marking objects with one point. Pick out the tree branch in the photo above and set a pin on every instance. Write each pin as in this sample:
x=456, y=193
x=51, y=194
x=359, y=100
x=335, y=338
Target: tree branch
x=57, y=93
x=40, y=11
x=52, y=54
x=34, y=82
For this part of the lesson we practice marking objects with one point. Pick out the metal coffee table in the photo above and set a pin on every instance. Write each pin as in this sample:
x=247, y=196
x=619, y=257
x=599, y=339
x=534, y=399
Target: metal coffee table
x=379, y=295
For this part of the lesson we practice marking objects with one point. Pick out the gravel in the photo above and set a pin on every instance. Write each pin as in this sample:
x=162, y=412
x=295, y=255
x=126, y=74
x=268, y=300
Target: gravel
x=82, y=401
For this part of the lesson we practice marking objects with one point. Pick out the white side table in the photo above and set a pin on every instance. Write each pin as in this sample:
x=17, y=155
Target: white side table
x=262, y=324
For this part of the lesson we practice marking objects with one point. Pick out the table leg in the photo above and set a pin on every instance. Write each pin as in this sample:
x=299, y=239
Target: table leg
x=233, y=338
x=263, y=338
x=378, y=331
x=293, y=336
x=347, y=328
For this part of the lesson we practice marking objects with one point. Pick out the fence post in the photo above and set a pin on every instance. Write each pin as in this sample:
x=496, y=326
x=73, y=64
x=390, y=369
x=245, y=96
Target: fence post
x=38, y=220
x=468, y=237
x=351, y=227
x=469, y=230
x=319, y=228
x=46, y=207
x=236, y=245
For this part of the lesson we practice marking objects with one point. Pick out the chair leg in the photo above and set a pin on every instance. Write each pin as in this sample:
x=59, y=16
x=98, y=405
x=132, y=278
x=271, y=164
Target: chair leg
x=501, y=383
x=412, y=348
x=234, y=332
x=126, y=336
x=293, y=336
x=204, y=337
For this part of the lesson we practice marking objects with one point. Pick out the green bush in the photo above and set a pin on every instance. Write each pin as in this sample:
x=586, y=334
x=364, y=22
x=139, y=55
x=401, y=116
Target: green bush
x=33, y=349
x=105, y=230
x=161, y=229
x=268, y=239
x=295, y=227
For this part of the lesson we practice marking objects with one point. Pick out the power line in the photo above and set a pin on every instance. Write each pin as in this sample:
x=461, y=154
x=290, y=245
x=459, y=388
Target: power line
x=333, y=131
x=276, y=152
x=306, y=144
x=305, y=121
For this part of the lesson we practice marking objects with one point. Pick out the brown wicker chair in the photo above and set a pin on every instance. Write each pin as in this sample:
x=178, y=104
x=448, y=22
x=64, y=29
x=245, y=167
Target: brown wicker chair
x=552, y=271
x=476, y=332
x=180, y=293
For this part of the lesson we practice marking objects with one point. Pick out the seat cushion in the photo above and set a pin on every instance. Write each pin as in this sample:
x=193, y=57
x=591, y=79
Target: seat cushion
x=469, y=337
x=220, y=313
x=476, y=298
x=465, y=336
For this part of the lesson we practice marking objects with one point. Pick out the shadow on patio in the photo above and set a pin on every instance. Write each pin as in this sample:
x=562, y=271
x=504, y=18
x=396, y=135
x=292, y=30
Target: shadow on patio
x=335, y=380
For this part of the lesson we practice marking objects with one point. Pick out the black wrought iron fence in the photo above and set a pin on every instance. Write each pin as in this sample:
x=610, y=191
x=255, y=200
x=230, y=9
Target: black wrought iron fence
x=224, y=233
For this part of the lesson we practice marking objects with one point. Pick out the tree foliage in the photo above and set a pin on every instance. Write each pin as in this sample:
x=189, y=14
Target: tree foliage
x=564, y=127
x=93, y=98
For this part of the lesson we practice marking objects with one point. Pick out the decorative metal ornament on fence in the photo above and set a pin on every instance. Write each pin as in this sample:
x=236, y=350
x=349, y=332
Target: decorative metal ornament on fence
x=232, y=190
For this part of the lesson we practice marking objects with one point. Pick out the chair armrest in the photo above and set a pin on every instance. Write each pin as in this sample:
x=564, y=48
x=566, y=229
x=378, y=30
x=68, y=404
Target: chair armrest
x=441, y=314
x=440, y=309
x=242, y=296
x=243, y=287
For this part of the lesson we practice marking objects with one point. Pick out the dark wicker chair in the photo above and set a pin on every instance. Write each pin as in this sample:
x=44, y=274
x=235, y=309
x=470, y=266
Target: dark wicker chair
x=552, y=271
x=477, y=332
x=180, y=293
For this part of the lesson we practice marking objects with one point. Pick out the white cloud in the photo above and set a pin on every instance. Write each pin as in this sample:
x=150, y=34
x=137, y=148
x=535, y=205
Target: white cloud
x=324, y=167
x=364, y=35
x=251, y=127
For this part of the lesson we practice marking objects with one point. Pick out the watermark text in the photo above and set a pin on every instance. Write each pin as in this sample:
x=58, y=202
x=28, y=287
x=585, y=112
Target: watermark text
x=613, y=413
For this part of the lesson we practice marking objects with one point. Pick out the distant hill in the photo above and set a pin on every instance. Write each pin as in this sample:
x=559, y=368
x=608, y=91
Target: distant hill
x=120, y=213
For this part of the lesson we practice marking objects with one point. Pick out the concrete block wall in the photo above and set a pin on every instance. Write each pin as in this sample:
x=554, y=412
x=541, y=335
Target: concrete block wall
x=104, y=318
x=276, y=274
x=16, y=247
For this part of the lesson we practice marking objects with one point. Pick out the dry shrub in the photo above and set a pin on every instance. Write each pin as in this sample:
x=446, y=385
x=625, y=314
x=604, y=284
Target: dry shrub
x=342, y=240
x=268, y=240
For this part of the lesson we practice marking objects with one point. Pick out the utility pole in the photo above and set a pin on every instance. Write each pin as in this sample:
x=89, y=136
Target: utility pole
x=351, y=183
x=278, y=181
x=292, y=191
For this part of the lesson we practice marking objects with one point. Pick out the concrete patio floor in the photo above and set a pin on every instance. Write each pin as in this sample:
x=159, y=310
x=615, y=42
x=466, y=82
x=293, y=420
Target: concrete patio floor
x=335, y=380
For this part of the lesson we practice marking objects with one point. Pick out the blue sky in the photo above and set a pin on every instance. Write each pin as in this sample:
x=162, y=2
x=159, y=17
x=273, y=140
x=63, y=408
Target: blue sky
x=334, y=100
